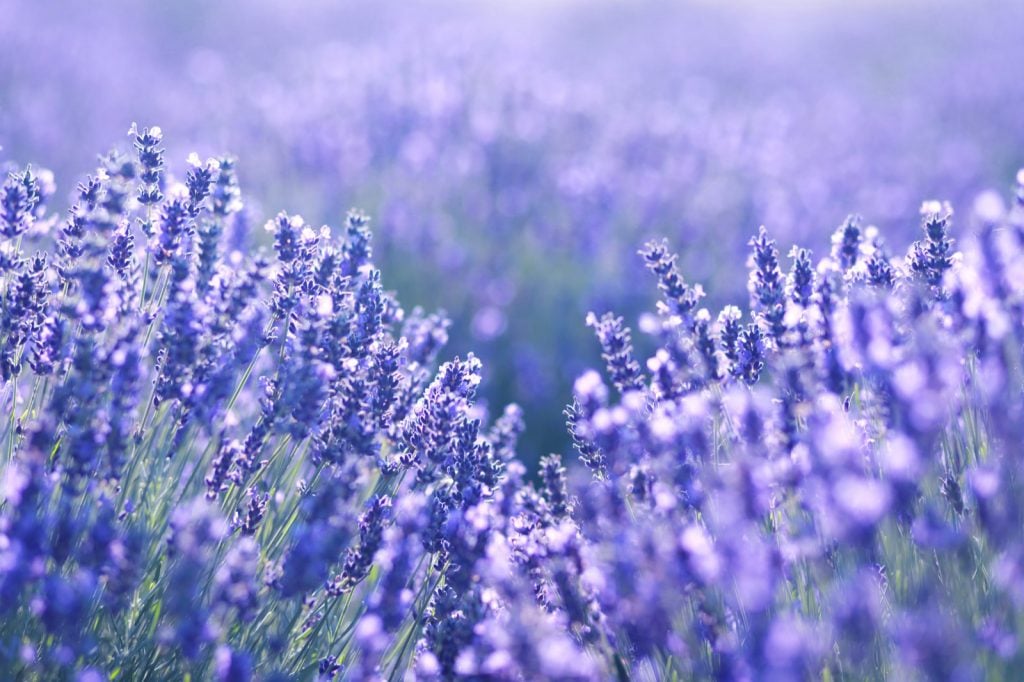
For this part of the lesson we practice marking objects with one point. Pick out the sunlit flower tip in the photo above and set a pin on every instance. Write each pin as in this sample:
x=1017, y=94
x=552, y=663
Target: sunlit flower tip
x=989, y=208
x=559, y=536
x=934, y=207
x=663, y=428
x=651, y=324
x=14, y=483
x=730, y=313
x=700, y=552
x=864, y=501
x=899, y=458
x=634, y=401
x=984, y=482
x=427, y=664
x=589, y=383
x=370, y=627
x=604, y=420
x=660, y=359
x=324, y=305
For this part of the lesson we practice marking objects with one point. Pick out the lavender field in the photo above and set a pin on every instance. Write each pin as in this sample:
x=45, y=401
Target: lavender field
x=527, y=341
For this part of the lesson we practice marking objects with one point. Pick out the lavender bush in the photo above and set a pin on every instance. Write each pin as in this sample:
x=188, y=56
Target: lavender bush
x=823, y=487
x=218, y=464
x=232, y=463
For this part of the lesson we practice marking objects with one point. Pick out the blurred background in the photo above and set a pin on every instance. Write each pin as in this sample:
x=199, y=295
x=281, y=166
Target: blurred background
x=515, y=156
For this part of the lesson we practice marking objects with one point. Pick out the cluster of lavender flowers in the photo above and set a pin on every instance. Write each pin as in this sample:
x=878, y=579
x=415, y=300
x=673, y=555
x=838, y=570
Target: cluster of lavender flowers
x=823, y=486
x=505, y=157
x=236, y=463
x=226, y=464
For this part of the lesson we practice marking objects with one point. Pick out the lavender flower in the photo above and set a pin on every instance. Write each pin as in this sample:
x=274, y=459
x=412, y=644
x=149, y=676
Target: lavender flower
x=680, y=298
x=555, y=489
x=151, y=161
x=767, y=286
x=358, y=560
x=19, y=197
x=234, y=584
x=931, y=257
x=800, y=283
x=617, y=351
x=195, y=531
x=846, y=243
